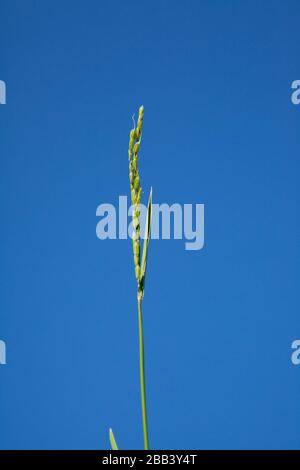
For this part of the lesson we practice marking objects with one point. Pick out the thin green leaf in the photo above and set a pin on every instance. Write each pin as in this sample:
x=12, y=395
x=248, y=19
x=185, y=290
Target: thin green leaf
x=146, y=241
x=112, y=440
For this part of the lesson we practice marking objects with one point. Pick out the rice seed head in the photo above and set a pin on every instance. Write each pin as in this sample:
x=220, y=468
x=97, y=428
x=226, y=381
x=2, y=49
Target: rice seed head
x=136, y=190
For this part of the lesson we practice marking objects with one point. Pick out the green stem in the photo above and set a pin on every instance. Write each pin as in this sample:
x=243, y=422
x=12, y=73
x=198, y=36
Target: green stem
x=142, y=376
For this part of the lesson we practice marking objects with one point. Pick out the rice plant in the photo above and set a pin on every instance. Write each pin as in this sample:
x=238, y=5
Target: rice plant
x=140, y=262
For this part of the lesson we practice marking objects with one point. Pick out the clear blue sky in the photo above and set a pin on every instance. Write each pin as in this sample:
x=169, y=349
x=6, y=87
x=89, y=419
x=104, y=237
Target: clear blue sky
x=219, y=129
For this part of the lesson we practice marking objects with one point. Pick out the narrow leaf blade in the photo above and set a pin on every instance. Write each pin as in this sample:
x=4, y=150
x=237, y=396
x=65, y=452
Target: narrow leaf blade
x=146, y=239
x=112, y=440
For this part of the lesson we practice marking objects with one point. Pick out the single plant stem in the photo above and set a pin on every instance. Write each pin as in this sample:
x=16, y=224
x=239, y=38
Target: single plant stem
x=142, y=376
x=140, y=261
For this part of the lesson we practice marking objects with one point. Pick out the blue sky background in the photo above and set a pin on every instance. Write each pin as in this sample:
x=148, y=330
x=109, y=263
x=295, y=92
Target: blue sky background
x=220, y=129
